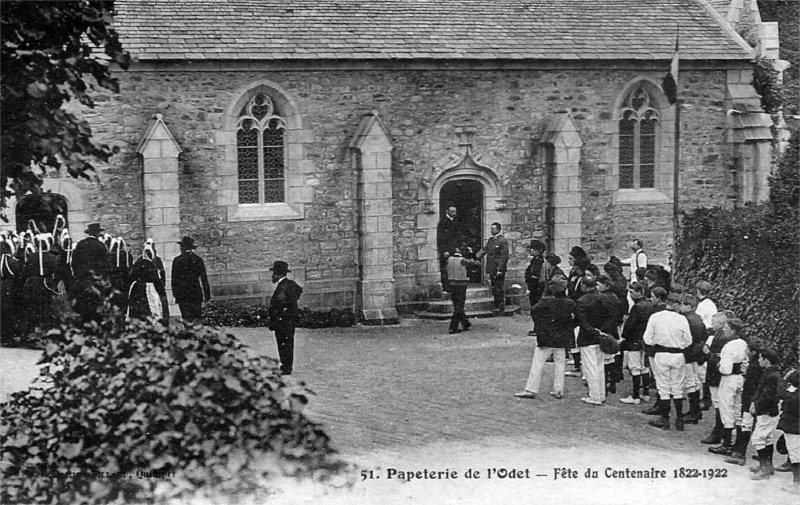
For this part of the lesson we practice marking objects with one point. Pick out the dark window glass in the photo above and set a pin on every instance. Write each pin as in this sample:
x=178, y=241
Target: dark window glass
x=638, y=129
x=261, y=152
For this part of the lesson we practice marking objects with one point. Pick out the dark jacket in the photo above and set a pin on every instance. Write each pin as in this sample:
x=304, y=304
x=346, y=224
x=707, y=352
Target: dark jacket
x=766, y=398
x=574, y=284
x=533, y=278
x=448, y=235
x=595, y=312
x=790, y=416
x=283, y=308
x=90, y=257
x=752, y=377
x=496, y=252
x=612, y=326
x=633, y=331
x=694, y=353
x=189, y=279
x=555, y=319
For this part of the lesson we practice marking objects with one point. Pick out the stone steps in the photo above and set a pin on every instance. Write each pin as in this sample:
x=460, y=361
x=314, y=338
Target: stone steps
x=441, y=316
x=479, y=304
x=472, y=293
x=471, y=305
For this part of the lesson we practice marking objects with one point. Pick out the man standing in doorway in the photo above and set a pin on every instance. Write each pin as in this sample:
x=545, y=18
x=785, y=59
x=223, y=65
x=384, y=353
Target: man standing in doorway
x=190, y=281
x=284, y=314
x=496, y=252
x=448, y=237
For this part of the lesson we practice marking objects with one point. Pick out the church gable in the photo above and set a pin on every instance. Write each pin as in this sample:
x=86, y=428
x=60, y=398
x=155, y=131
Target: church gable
x=527, y=123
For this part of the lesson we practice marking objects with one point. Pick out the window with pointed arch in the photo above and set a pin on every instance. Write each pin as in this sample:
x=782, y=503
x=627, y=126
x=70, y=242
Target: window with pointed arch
x=261, y=152
x=638, y=129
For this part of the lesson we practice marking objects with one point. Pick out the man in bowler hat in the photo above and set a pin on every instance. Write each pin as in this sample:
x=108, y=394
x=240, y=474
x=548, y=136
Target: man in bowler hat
x=284, y=314
x=91, y=263
x=190, y=281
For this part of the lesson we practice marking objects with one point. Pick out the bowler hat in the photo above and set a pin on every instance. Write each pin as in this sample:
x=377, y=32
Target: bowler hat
x=187, y=243
x=280, y=267
x=93, y=229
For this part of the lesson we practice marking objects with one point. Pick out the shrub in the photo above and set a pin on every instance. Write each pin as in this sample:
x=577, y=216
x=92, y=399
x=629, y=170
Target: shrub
x=332, y=318
x=235, y=315
x=750, y=256
x=254, y=316
x=185, y=406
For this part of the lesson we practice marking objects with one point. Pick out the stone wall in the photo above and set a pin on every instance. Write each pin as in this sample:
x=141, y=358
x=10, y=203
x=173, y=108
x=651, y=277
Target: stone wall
x=420, y=109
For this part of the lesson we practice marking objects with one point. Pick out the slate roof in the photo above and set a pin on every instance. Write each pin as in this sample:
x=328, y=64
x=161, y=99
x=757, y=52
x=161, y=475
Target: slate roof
x=425, y=29
x=722, y=6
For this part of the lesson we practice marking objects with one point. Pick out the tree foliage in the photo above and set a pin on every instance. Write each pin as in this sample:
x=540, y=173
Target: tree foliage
x=53, y=53
x=138, y=413
x=787, y=14
x=784, y=182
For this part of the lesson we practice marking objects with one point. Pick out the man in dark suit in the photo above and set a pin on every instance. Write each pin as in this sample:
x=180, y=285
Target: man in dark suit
x=496, y=252
x=190, y=281
x=284, y=314
x=596, y=313
x=91, y=263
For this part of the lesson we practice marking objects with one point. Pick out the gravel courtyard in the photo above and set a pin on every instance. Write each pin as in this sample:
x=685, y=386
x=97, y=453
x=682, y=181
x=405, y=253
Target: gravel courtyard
x=408, y=403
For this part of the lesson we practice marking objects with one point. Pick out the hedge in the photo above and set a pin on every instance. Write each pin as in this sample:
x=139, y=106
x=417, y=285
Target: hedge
x=750, y=256
x=187, y=407
x=254, y=316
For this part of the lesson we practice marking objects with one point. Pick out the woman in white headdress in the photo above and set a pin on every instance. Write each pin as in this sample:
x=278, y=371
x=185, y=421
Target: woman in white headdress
x=147, y=296
x=119, y=274
x=10, y=273
x=41, y=282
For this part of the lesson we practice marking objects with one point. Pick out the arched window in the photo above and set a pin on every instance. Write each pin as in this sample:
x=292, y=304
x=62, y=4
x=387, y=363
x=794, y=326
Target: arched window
x=638, y=128
x=261, y=152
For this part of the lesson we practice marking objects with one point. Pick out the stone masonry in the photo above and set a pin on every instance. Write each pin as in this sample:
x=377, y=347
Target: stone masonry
x=511, y=111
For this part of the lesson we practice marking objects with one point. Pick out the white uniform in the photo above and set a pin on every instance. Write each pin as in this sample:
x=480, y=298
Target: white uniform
x=730, y=385
x=670, y=332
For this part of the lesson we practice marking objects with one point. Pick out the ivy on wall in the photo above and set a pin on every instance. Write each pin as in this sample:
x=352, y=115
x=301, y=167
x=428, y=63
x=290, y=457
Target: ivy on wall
x=767, y=84
x=750, y=256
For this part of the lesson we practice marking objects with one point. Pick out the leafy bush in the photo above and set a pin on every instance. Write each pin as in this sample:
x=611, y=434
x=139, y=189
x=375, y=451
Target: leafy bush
x=136, y=412
x=254, y=316
x=332, y=318
x=750, y=256
x=235, y=315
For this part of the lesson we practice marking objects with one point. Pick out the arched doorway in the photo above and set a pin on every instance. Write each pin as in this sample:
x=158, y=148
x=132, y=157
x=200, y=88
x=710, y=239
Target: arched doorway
x=467, y=197
x=42, y=209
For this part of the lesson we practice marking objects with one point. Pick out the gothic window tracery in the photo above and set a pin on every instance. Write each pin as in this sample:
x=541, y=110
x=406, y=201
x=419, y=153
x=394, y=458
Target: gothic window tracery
x=638, y=128
x=260, y=141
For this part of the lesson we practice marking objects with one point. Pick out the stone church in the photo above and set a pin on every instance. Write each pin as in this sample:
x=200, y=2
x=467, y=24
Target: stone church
x=333, y=133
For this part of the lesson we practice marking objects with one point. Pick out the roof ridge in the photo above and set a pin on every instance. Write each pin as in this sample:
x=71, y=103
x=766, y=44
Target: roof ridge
x=726, y=27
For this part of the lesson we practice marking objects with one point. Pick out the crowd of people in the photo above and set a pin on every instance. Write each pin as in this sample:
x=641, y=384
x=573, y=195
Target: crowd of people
x=42, y=273
x=674, y=342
